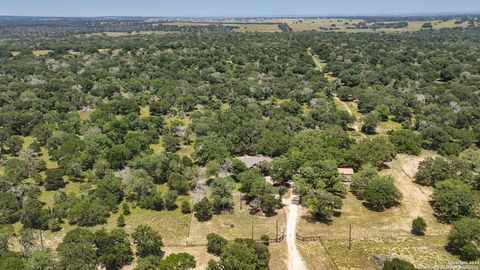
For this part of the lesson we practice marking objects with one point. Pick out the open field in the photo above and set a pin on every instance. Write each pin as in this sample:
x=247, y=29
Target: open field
x=237, y=224
x=242, y=27
x=41, y=52
x=278, y=256
x=384, y=127
x=342, y=24
x=47, y=197
x=300, y=25
x=381, y=233
x=144, y=111
x=123, y=34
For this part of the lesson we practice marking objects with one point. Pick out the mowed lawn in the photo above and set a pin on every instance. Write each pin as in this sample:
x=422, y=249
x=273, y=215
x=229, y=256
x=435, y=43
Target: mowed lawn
x=380, y=233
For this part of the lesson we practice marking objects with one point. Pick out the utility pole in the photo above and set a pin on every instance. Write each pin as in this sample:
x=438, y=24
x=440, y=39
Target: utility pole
x=252, y=230
x=350, y=236
x=41, y=238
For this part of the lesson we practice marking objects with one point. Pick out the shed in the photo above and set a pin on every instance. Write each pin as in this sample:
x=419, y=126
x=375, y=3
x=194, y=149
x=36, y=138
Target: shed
x=346, y=174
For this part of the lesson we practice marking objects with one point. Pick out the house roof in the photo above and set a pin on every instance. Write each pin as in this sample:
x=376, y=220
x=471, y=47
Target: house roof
x=251, y=161
x=345, y=171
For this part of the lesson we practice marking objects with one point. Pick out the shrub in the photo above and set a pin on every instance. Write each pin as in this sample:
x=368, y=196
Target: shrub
x=398, y=264
x=54, y=179
x=265, y=239
x=125, y=209
x=216, y=244
x=121, y=221
x=419, y=226
x=382, y=193
x=203, y=210
x=186, y=208
x=464, y=239
x=171, y=200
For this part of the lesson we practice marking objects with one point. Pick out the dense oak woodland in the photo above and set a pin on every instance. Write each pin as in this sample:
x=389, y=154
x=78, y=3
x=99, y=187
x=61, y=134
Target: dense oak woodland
x=226, y=95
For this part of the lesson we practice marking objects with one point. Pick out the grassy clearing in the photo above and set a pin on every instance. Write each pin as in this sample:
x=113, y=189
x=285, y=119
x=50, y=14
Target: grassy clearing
x=172, y=225
x=47, y=197
x=158, y=147
x=320, y=24
x=316, y=24
x=84, y=115
x=27, y=140
x=72, y=52
x=315, y=255
x=353, y=107
x=278, y=256
x=382, y=233
x=145, y=111
x=237, y=224
x=270, y=28
x=41, y=52
x=242, y=27
x=318, y=62
x=186, y=150
x=330, y=78
x=123, y=34
x=185, y=120
x=385, y=127
x=339, y=105
x=51, y=164
x=422, y=251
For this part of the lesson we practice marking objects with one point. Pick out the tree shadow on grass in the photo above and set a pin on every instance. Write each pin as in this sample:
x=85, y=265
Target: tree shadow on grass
x=312, y=220
x=377, y=208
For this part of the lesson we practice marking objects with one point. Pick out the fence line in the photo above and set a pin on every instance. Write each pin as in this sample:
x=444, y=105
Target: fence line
x=344, y=234
x=276, y=240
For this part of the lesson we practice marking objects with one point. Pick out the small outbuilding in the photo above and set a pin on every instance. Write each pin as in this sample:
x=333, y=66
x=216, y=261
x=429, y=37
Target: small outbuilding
x=346, y=174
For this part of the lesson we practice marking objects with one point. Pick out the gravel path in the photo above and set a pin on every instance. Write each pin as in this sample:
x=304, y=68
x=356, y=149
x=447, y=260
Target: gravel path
x=295, y=261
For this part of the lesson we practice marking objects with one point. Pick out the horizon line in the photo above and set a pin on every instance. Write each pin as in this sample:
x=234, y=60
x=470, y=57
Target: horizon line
x=332, y=15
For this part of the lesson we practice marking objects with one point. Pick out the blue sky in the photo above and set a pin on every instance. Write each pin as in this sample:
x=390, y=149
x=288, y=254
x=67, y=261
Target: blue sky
x=204, y=8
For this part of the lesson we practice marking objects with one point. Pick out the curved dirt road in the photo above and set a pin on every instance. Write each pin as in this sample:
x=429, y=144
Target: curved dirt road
x=295, y=261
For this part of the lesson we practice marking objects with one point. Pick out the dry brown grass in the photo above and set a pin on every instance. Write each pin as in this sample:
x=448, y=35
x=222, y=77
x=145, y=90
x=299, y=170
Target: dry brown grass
x=124, y=34
x=298, y=25
x=41, y=52
x=242, y=27
x=242, y=224
x=315, y=24
x=269, y=28
x=278, y=256
x=381, y=233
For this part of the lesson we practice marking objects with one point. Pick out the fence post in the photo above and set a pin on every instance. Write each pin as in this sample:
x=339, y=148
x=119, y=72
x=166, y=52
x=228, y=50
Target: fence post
x=252, y=230
x=41, y=238
x=350, y=236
